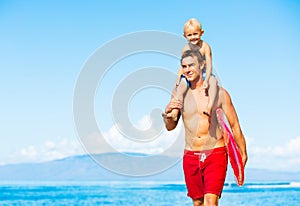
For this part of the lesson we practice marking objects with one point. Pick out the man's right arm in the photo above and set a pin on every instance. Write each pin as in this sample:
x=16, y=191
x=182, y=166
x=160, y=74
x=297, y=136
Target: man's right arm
x=170, y=123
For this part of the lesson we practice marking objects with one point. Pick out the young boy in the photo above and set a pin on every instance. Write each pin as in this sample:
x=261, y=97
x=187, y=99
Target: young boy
x=192, y=32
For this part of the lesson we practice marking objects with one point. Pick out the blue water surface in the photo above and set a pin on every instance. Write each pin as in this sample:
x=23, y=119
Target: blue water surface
x=142, y=193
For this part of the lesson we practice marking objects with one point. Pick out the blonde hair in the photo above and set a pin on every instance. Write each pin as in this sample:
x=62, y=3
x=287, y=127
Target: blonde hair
x=194, y=23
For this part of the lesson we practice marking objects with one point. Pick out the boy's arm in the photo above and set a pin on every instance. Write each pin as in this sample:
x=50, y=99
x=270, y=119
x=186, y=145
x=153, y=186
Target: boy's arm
x=232, y=117
x=180, y=89
x=208, y=60
x=185, y=48
x=180, y=71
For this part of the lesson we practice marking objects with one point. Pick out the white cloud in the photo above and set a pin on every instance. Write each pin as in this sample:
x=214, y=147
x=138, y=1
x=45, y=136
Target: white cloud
x=280, y=157
x=167, y=142
x=50, y=150
x=144, y=123
x=29, y=152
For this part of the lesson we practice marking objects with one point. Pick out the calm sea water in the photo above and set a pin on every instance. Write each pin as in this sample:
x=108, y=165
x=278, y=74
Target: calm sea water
x=142, y=193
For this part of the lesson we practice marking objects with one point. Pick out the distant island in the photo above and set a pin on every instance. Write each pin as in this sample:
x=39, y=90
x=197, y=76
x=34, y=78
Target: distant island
x=84, y=168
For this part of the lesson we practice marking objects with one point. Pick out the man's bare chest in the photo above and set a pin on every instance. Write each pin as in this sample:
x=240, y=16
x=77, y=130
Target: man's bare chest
x=195, y=102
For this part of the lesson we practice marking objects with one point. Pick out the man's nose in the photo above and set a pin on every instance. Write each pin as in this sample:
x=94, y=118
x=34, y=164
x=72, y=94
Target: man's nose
x=186, y=68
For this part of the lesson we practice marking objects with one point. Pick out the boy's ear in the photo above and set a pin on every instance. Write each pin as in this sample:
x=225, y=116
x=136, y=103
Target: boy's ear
x=202, y=32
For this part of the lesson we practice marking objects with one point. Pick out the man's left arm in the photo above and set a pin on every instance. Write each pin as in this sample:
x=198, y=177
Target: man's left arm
x=232, y=117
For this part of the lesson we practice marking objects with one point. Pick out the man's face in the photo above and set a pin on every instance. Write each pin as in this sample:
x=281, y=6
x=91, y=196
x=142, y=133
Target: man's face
x=191, y=68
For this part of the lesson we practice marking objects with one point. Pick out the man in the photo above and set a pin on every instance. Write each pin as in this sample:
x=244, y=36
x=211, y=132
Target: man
x=205, y=158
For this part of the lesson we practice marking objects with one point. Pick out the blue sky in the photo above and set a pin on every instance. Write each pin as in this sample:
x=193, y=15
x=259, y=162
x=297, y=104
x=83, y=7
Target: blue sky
x=45, y=44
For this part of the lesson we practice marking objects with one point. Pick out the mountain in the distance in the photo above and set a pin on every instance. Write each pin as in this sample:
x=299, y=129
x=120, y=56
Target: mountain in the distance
x=84, y=168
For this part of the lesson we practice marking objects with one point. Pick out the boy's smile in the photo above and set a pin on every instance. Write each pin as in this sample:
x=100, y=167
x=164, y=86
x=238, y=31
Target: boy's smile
x=193, y=35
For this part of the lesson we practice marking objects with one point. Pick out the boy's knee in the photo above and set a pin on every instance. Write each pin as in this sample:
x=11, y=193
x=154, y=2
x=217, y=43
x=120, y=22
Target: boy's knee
x=213, y=80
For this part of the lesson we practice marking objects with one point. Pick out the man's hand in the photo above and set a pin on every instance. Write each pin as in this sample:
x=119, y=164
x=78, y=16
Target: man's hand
x=172, y=114
x=244, y=159
x=173, y=104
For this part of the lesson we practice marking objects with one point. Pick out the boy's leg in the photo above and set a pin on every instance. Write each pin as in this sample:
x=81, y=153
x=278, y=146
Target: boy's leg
x=212, y=93
x=178, y=94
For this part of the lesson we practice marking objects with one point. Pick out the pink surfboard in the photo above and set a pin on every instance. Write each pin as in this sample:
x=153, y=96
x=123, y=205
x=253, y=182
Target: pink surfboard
x=232, y=148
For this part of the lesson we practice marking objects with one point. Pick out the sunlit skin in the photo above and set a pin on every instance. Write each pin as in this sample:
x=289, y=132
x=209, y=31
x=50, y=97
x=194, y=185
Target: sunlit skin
x=199, y=134
x=202, y=133
x=193, y=34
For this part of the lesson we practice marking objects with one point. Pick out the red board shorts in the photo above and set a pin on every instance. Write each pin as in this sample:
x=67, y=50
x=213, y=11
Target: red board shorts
x=205, y=171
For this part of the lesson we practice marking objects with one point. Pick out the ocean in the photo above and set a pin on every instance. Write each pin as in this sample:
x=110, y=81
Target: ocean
x=142, y=193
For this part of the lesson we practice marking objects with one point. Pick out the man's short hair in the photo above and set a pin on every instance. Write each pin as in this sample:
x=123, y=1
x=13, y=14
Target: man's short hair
x=193, y=53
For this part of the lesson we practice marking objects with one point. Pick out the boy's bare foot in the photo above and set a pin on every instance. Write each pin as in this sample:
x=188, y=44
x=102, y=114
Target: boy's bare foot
x=207, y=114
x=206, y=92
x=208, y=109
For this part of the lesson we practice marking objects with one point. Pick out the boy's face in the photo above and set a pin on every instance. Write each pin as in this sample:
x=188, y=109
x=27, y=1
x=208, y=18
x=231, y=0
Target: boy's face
x=193, y=35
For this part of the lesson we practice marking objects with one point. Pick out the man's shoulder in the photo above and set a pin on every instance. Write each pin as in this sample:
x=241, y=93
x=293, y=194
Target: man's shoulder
x=223, y=95
x=222, y=90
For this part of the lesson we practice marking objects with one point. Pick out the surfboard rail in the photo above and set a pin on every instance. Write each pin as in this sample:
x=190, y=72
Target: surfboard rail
x=233, y=151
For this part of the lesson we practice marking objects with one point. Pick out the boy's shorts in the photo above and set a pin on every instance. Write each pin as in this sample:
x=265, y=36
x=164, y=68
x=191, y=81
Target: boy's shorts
x=204, y=74
x=205, y=171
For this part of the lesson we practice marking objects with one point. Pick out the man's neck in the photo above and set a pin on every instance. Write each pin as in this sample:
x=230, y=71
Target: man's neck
x=197, y=84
